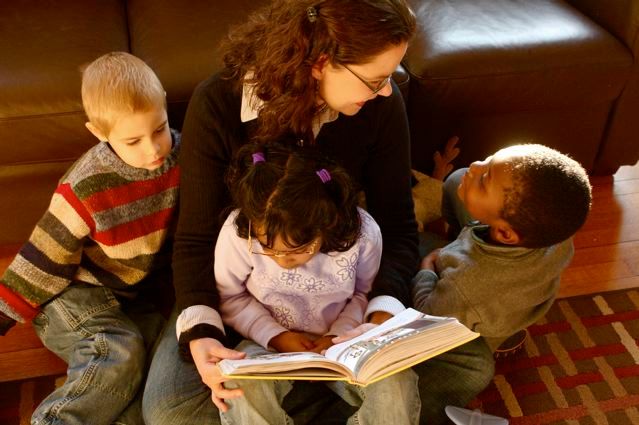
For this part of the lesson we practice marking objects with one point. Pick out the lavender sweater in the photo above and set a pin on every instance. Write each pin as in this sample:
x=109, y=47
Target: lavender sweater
x=325, y=296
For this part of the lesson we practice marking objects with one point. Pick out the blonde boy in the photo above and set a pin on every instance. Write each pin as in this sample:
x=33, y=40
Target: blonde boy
x=78, y=276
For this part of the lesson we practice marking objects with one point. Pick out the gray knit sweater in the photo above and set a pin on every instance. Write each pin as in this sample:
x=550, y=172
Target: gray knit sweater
x=495, y=290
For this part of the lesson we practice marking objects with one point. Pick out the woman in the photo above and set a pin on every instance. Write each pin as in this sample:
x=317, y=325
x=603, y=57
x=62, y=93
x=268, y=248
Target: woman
x=321, y=72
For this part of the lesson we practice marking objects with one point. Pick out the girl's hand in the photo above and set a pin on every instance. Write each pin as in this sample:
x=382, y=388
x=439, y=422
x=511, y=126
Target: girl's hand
x=206, y=353
x=323, y=343
x=290, y=341
x=364, y=327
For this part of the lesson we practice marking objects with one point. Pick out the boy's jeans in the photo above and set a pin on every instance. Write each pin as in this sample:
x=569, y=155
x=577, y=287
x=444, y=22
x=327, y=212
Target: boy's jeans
x=393, y=400
x=103, y=343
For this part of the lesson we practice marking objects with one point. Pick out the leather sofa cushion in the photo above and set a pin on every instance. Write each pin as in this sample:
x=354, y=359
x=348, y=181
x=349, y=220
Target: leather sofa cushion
x=491, y=50
x=181, y=43
x=40, y=73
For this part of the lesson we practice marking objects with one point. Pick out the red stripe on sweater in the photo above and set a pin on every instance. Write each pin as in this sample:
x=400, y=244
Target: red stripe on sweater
x=18, y=304
x=67, y=192
x=131, y=192
x=143, y=226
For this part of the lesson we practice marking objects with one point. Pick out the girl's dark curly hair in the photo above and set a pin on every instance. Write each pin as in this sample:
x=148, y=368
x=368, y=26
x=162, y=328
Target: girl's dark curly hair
x=280, y=44
x=287, y=197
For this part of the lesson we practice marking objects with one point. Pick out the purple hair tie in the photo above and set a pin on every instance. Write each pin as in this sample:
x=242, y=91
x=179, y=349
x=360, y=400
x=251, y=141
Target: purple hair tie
x=324, y=175
x=258, y=157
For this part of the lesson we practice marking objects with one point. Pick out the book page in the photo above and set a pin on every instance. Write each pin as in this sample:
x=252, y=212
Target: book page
x=274, y=363
x=354, y=353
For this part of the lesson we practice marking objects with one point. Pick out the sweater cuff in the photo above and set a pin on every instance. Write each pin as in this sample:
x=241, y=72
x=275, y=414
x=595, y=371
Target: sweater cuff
x=198, y=315
x=424, y=275
x=384, y=303
x=196, y=332
x=14, y=306
x=6, y=323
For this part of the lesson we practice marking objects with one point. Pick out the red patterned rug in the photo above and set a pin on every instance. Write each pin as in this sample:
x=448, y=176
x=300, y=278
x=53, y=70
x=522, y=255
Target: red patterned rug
x=579, y=366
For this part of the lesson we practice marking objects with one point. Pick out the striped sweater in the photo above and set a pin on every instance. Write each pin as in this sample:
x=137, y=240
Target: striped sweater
x=105, y=225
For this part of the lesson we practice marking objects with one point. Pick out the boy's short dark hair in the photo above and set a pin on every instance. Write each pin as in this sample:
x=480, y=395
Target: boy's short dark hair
x=285, y=194
x=550, y=199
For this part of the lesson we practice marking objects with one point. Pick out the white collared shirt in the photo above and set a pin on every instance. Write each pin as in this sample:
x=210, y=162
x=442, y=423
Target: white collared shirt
x=251, y=106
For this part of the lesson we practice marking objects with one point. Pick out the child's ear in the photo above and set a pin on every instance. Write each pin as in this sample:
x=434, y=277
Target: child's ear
x=317, y=71
x=504, y=234
x=95, y=131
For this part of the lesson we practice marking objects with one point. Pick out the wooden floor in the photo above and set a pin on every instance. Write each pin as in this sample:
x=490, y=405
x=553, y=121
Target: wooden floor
x=607, y=247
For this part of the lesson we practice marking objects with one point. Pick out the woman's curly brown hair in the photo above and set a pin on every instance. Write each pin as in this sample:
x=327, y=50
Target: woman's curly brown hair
x=279, y=45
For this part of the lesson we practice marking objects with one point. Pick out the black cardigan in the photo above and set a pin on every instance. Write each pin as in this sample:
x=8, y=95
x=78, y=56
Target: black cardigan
x=372, y=145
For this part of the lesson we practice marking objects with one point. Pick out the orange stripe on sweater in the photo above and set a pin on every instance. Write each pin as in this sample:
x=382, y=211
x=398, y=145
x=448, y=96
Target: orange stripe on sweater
x=18, y=304
x=67, y=192
x=131, y=192
x=134, y=229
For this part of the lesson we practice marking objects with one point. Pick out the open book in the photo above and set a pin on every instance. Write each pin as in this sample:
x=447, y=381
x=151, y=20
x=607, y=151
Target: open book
x=399, y=343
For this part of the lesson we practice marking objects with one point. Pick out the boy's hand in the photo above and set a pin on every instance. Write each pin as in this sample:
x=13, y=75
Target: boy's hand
x=323, y=343
x=6, y=323
x=290, y=341
x=428, y=262
x=206, y=353
x=443, y=162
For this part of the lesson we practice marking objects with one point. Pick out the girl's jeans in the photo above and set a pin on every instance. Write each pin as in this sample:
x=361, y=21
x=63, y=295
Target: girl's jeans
x=103, y=342
x=393, y=400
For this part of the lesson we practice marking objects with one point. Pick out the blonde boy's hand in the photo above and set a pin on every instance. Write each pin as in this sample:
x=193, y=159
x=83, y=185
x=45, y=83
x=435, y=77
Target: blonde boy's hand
x=290, y=341
x=443, y=162
x=206, y=353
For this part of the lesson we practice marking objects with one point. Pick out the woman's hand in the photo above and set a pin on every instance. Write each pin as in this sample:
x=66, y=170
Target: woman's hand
x=290, y=341
x=206, y=353
x=323, y=343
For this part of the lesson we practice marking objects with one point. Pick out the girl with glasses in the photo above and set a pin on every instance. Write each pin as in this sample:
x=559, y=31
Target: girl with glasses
x=294, y=263
x=316, y=70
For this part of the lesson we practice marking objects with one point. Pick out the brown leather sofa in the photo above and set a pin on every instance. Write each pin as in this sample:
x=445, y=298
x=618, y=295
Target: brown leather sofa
x=491, y=71
x=562, y=73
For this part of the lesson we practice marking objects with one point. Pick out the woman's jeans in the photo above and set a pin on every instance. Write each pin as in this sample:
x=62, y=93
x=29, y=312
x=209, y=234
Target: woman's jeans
x=393, y=400
x=176, y=395
x=104, y=342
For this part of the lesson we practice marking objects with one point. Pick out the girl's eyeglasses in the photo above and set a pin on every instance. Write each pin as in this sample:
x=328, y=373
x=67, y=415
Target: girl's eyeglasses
x=307, y=249
x=374, y=89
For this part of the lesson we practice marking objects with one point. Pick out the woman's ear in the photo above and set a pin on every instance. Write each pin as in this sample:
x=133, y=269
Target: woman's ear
x=319, y=67
x=504, y=234
x=95, y=131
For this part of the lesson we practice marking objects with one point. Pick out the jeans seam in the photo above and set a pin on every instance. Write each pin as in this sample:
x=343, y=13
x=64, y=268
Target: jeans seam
x=77, y=322
x=85, y=379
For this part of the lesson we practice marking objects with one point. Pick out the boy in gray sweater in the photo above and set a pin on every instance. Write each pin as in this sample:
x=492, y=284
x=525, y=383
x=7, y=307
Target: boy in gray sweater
x=520, y=208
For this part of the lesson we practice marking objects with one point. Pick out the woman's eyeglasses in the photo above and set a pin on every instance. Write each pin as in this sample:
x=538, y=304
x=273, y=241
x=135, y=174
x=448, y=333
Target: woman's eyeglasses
x=307, y=249
x=374, y=89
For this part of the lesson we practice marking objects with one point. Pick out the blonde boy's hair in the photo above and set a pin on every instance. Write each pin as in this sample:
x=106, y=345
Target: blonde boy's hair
x=119, y=83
